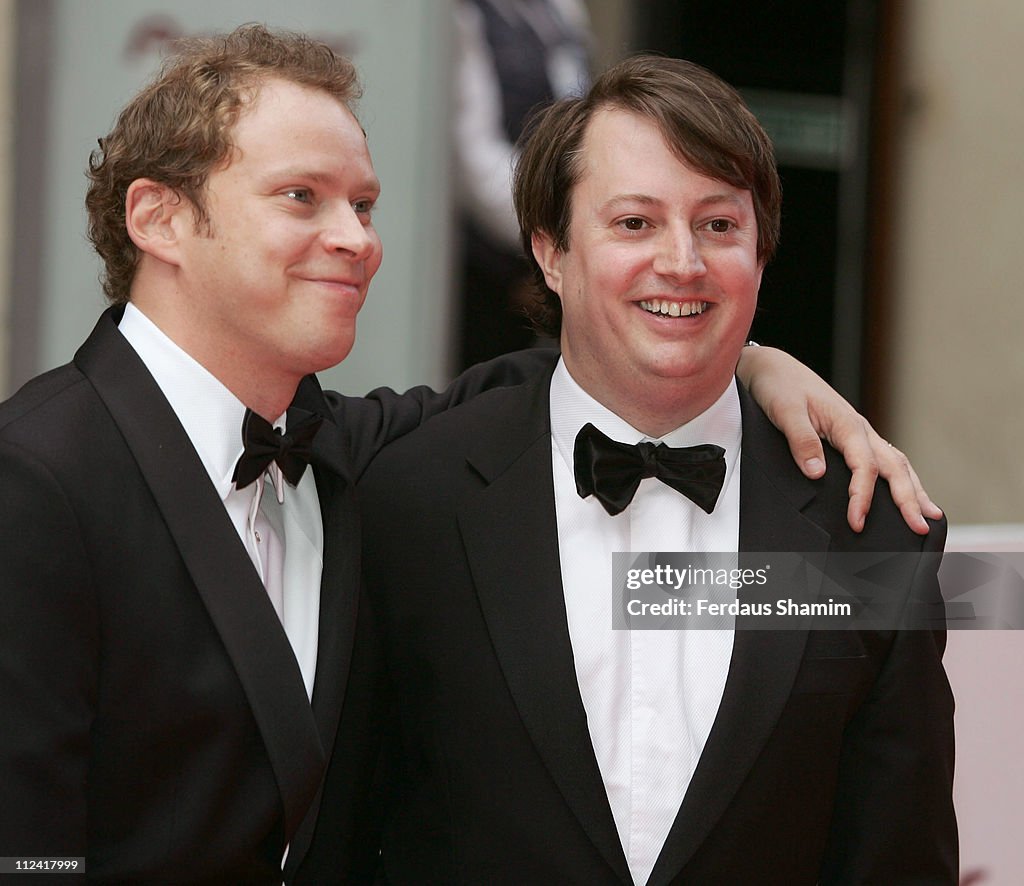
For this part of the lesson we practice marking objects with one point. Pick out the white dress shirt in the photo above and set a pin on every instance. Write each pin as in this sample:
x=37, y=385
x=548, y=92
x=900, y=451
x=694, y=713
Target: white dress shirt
x=280, y=527
x=651, y=696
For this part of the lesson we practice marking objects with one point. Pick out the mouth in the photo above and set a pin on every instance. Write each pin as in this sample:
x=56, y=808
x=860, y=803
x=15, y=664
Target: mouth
x=338, y=284
x=661, y=307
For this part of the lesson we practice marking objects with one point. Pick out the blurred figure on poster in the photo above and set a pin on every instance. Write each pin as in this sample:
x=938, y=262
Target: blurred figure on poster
x=513, y=55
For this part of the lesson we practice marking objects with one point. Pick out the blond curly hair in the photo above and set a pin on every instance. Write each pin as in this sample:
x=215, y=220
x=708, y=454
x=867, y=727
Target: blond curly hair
x=178, y=128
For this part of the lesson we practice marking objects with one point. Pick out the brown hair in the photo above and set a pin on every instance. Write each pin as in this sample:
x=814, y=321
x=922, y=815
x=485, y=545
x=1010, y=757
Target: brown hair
x=178, y=128
x=704, y=121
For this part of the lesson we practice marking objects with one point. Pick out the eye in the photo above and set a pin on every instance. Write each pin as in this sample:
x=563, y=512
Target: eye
x=363, y=207
x=720, y=225
x=633, y=223
x=301, y=195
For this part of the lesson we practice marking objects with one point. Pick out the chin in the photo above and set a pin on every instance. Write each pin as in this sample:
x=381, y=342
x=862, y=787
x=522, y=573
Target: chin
x=691, y=379
x=330, y=355
x=674, y=366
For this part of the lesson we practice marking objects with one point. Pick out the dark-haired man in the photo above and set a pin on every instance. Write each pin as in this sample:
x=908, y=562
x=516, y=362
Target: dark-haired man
x=534, y=743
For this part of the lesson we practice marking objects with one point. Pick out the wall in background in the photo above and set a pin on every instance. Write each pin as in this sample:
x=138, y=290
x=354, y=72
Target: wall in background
x=6, y=176
x=957, y=362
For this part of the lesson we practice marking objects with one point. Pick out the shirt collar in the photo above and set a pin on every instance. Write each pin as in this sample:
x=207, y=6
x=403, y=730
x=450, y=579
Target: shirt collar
x=572, y=407
x=210, y=414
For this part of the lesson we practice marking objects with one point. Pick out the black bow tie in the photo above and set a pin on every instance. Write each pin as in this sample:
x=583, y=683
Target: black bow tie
x=265, y=444
x=612, y=471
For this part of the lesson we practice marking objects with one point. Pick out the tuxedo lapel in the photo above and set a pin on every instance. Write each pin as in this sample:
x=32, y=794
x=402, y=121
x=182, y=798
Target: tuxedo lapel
x=338, y=587
x=511, y=540
x=764, y=663
x=220, y=568
x=339, y=582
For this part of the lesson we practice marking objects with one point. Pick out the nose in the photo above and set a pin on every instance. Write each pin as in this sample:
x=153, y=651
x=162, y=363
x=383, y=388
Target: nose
x=347, y=230
x=679, y=255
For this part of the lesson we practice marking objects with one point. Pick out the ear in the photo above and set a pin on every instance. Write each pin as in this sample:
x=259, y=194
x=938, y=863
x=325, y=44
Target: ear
x=155, y=216
x=549, y=257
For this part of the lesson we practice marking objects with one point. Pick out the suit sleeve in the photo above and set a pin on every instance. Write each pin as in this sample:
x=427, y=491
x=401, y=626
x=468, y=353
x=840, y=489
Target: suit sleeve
x=383, y=415
x=894, y=820
x=48, y=638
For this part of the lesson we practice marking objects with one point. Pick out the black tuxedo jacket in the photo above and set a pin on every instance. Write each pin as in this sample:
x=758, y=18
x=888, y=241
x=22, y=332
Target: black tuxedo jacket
x=155, y=720
x=831, y=756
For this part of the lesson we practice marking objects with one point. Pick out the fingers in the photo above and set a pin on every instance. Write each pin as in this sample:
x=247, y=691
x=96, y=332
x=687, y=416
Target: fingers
x=905, y=487
x=928, y=507
x=869, y=457
x=850, y=436
x=808, y=453
x=804, y=442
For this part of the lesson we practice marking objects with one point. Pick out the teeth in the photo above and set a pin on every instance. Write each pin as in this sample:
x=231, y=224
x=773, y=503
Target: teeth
x=673, y=308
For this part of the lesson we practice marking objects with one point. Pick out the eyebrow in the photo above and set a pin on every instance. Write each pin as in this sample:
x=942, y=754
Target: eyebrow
x=649, y=200
x=318, y=178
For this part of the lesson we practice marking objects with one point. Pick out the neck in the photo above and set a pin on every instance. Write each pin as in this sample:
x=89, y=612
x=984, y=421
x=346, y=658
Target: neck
x=657, y=420
x=264, y=393
x=267, y=407
x=654, y=406
x=247, y=378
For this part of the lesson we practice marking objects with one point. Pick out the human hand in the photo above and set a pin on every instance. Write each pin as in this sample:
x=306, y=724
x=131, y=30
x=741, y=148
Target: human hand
x=805, y=408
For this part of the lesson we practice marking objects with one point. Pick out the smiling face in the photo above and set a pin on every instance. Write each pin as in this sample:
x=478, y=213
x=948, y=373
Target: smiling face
x=659, y=282
x=271, y=288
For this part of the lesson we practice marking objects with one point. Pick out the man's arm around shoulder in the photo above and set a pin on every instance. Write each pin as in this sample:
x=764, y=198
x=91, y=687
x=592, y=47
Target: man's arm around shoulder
x=383, y=415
